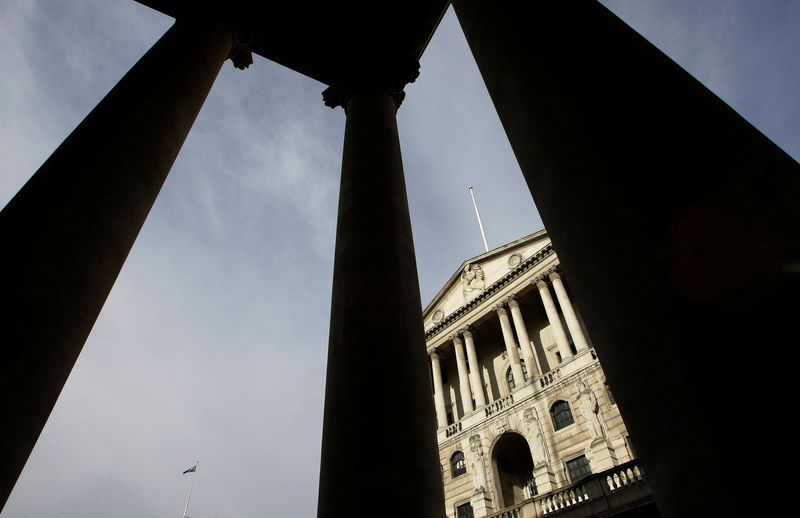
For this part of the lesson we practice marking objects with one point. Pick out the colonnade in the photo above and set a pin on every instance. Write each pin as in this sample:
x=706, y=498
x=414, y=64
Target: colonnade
x=519, y=348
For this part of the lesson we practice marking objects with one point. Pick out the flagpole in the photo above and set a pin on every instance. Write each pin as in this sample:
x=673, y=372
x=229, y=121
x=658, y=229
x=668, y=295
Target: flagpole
x=480, y=223
x=191, y=486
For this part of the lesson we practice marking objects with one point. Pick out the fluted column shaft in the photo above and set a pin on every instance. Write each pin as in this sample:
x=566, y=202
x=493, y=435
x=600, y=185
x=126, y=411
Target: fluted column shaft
x=524, y=339
x=474, y=369
x=463, y=376
x=438, y=390
x=511, y=347
x=554, y=319
x=67, y=233
x=376, y=353
x=575, y=330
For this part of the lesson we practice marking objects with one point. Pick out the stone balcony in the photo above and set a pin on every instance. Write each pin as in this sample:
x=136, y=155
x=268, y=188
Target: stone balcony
x=620, y=491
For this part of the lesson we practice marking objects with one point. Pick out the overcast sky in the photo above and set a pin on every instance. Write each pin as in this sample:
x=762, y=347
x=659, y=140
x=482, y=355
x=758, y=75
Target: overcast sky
x=212, y=344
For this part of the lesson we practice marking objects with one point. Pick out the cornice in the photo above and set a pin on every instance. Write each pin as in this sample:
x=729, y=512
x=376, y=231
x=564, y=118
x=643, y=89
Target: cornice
x=490, y=290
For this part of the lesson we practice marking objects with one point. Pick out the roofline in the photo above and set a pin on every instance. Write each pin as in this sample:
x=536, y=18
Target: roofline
x=481, y=257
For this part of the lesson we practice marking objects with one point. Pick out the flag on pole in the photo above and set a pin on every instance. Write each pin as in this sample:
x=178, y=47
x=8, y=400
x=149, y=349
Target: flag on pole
x=191, y=470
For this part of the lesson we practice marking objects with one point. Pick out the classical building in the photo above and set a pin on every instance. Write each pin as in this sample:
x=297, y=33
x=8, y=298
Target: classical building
x=527, y=423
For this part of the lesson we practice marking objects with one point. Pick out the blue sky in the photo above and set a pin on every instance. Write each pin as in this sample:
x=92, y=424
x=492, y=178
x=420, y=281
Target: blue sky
x=212, y=344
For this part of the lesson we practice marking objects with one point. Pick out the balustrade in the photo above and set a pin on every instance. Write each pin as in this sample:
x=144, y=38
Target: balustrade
x=499, y=405
x=624, y=477
x=550, y=377
x=452, y=429
x=565, y=498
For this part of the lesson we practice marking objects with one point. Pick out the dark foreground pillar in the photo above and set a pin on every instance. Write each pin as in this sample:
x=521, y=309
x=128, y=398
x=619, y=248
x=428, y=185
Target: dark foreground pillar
x=678, y=226
x=379, y=452
x=66, y=234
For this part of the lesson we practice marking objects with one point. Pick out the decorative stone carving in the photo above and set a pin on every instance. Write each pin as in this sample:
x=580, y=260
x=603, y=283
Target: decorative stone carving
x=438, y=315
x=540, y=282
x=591, y=411
x=472, y=281
x=514, y=260
x=554, y=273
x=478, y=465
x=536, y=437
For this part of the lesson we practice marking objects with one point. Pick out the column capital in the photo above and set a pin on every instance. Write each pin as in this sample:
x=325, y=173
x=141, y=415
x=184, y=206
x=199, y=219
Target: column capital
x=434, y=354
x=390, y=75
x=554, y=273
x=500, y=310
x=512, y=301
x=244, y=36
x=456, y=339
x=466, y=331
x=540, y=282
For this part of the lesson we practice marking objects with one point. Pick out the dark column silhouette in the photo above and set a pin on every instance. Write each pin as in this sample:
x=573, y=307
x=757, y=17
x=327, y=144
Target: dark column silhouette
x=66, y=234
x=379, y=446
x=676, y=223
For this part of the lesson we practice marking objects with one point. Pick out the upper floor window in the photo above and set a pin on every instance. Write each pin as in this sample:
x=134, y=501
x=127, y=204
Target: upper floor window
x=464, y=511
x=578, y=468
x=510, y=376
x=458, y=464
x=561, y=414
x=510, y=379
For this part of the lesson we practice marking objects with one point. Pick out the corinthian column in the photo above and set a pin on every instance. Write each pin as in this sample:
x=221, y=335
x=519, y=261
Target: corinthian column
x=376, y=353
x=438, y=394
x=463, y=377
x=524, y=339
x=474, y=369
x=511, y=347
x=66, y=234
x=569, y=312
x=554, y=319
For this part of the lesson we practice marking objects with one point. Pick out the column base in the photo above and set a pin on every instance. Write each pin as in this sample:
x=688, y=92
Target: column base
x=545, y=479
x=481, y=503
x=601, y=455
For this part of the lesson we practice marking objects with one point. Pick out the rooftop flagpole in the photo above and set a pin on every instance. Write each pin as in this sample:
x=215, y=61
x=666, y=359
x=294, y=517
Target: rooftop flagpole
x=480, y=223
x=192, y=470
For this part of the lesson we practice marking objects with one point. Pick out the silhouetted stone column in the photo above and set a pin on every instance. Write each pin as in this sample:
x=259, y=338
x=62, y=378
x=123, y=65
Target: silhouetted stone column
x=677, y=225
x=379, y=433
x=66, y=234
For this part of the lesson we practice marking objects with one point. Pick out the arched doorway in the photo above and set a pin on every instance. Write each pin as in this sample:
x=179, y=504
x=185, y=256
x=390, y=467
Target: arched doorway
x=513, y=467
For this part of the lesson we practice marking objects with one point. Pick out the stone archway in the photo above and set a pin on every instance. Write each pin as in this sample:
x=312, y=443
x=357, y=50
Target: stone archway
x=513, y=467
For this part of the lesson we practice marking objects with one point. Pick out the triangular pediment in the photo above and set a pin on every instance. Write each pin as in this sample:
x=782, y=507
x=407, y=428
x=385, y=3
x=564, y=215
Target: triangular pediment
x=477, y=274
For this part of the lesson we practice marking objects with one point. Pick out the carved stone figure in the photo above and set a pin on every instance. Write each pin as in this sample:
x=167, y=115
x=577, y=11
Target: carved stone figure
x=590, y=410
x=478, y=465
x=472, y=281
x=536, y=437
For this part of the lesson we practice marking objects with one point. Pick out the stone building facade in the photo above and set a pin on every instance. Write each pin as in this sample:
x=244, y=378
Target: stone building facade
x=525, y=416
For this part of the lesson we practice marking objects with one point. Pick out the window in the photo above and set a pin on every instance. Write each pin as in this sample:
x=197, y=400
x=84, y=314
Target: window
x=573, y=349
x=464, y=511
x=457, y=464
x=531, y=485
x=450, y=419
x=558, y=357
x=578, y=468
x=561, y=414
x=510, y=376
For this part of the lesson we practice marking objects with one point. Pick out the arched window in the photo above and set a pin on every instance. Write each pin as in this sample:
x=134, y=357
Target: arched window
x=510, y=376
x=561, y=414
x=457, y=464
x=510, y=379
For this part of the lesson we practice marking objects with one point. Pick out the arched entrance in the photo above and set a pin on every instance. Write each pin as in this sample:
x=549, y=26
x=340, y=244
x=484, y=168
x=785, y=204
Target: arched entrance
x=513, y=467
